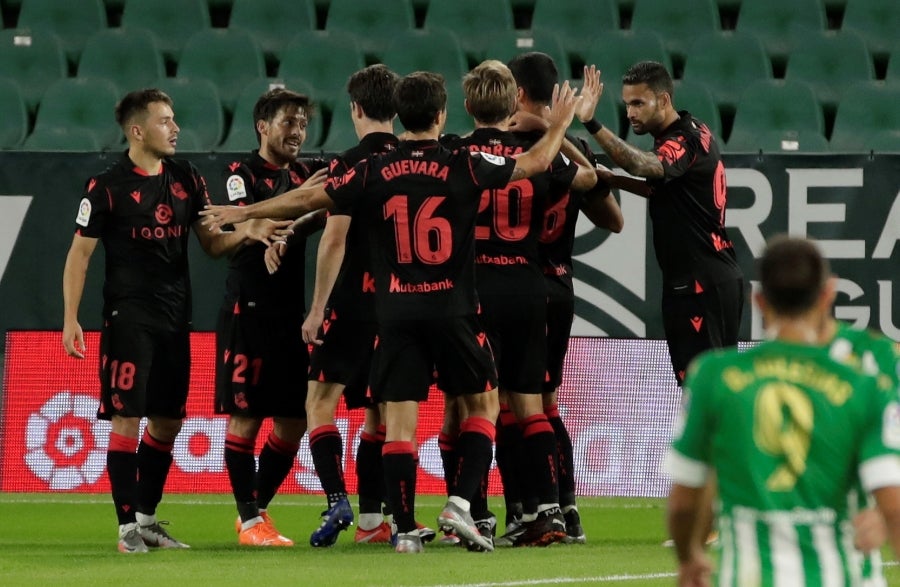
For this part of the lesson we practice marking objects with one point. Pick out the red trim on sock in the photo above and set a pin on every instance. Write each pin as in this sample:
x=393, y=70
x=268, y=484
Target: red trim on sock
x=325, y=430
x=122, y=443
x=281, y=446
x=398, y=447
x=478, y=425
x=447, y=441
x=240, y=444
x=368, y=437
x=552, y=411
x=155, y=443
x=536, y=424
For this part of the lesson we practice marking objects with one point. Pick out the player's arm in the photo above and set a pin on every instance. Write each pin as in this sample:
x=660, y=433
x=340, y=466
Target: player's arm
x=290, y=204
x=539, y=157
x=602, y=208
x=329, y=258
x=888, y=500
x=264, y=230
x=74, y=277
x=628, y=157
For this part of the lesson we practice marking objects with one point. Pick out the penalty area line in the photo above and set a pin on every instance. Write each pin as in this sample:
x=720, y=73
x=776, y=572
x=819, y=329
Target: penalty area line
x=561, y=580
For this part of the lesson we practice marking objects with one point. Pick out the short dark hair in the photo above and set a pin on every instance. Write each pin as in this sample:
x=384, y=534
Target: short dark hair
x=418, y=98
x=536, y=73
x=792, y=273
x=652, y=73
x=269, y=104
x=372, y=88
x=490, y=92
x=136, y=102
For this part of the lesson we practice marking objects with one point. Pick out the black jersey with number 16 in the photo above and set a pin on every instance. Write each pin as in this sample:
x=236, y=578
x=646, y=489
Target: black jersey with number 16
x=422, y=201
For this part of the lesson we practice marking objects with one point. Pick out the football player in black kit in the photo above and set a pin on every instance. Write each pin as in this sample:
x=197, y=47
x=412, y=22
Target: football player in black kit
x=422, y=200
x=703, y=287
x=142, y=209
x=259, y=348
x=512, y=292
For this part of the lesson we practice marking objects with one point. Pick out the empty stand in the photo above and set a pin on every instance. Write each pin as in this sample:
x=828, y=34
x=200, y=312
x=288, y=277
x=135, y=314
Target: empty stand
x=35, y=59
x=373, y=23
x=198, y=110
x=865, y=110
x=506, y=45
x=779, y=141
x=231, y=59
x=726, y=63
x=435, y=50
x=325, y=59
x=475, y=22
x=697, y=99
x=678, y=23
x=73, y=21
x=172, y=21
x=341, y=133
x=575, y=22
x=273, y=23
x=775, y=22
x=877, y=21
x=59, y=138
x=831, y=63
x=14, y=122
x=73, y=105
x=128, y=58
x=776, y=105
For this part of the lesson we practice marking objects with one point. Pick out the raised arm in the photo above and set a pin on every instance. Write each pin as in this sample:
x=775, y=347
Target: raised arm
x=541, y=154
x=602, y=208
x=219, y=243
x=74, y=277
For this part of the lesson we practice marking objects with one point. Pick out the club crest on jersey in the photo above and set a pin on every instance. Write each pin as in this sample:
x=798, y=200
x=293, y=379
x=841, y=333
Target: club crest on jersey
x=235, y=188
x=84, y=212
x=493, y=159
x=178, y=191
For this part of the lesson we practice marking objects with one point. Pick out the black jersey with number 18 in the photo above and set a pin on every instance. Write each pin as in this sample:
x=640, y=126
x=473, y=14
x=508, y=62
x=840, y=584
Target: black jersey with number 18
x=422, y=201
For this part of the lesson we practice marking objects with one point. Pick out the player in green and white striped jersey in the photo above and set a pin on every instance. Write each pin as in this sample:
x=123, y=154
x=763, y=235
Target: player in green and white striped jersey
x=873, y=354
x=788, y=432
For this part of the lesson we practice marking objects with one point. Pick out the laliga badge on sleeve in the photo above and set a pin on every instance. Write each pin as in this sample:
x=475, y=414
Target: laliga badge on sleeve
x=493, y=159
x=235, y=188
x=84, y=212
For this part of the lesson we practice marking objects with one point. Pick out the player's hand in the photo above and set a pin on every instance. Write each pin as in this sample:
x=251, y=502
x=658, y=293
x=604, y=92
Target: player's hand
x=870, y=529
x=273, y=255
x=695, y=572
x=215, y=217
x=268, y=231
x=526, y=121
x=73, y=340
x=316, y=178
x=562, y=105
x=590, y=94
x=311, y=326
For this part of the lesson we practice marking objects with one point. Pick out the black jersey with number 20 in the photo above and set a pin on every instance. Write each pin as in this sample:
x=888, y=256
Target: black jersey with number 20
x=422, y=201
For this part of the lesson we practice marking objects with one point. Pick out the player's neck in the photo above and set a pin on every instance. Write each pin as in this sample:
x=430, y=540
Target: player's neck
x=503, y=125
x=271, y=159
x=367, y=126
x=431, y=134
x=801, y=330
x=149, y=163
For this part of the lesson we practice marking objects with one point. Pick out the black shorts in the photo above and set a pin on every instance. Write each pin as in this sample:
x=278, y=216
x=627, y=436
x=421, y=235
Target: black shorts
x=345, y=357
x=261, y=364
x=143, y=371
x=560, y=316
x=411, y=352
x=696, y=322
x=517, y=329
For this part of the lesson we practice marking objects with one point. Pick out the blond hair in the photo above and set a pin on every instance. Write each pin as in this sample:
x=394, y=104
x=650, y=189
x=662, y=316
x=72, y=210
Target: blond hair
x=490, y=91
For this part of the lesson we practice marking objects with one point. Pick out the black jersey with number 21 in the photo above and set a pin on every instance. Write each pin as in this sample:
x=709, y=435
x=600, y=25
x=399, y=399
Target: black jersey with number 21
x=422, y=201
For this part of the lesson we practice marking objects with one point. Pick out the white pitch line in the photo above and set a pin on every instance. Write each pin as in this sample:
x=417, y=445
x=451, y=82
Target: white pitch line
x=562, y=580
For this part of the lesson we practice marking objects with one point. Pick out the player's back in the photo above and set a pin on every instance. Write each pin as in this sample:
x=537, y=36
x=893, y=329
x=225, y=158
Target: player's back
x=792, y=428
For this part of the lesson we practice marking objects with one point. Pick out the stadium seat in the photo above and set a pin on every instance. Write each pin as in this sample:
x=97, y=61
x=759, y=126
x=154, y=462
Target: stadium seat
x=697, y=99
x=475, y=22
x=830, y=62
x=59, y=138
x=459, y=122
x=341, y=133
x=876, y=21
x=614, y=53
x=172, y=21
x=774, y=22
x=864, y=110
x=435, y=50
x=273, y=23
x=726, y=63
x=776, y=105
x=884, y=141
x=198, y=109
x=373, y=23
x=35, y=59
x=14, y=122
x=678, y=23
x=73, y=21
x=80, y=103
x=574, y=22
x=506, y=45
x=242, y=134
x=778, y=141
x=324, y=59
x=127, y=57
x=230, y=59
x=893, y=66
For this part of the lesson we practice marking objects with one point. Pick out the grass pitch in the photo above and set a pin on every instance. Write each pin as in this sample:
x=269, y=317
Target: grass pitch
x=70, y=540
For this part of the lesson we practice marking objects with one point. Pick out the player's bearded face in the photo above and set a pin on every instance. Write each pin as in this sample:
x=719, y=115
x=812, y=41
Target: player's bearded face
x=642, y=108
x=286, y=133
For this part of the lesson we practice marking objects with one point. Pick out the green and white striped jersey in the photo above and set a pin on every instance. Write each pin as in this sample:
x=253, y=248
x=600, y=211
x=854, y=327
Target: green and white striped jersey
x=874, y=354
x=789, y=432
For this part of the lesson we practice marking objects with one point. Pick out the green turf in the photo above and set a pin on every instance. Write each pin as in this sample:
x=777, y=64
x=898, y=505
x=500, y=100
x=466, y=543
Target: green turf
x=70, y=540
